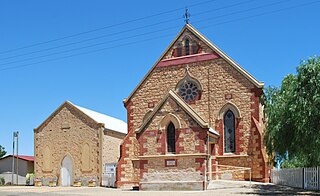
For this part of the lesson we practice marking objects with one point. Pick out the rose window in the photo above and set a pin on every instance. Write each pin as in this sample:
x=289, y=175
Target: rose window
x=189, y=91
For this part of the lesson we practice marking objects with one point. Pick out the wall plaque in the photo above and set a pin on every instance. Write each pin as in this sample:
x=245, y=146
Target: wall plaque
x=170, y=162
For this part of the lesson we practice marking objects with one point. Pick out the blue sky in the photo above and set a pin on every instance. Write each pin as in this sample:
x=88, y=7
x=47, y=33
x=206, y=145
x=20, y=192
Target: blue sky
x=267, y=38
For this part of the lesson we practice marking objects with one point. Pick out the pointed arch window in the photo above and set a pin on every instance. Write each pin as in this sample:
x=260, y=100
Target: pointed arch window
x=195, y=49
x=229, y=132
x=179, y=50
x=171, y=138
x=187, y=47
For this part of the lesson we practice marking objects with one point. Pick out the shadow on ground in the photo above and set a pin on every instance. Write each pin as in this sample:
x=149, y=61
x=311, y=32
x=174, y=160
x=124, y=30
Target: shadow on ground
x=271, y=189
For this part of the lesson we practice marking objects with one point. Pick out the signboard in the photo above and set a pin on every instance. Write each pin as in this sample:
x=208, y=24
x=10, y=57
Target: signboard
x=171, y=162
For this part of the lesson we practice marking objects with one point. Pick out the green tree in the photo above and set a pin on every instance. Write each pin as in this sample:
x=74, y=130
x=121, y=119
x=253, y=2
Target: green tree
x=293, y=116
x=2, y=151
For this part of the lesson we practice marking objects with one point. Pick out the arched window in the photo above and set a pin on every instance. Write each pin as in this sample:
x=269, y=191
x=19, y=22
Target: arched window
x=229, y=132
x=171, y=140
x=195, y=49
x=187, y=48
x=179, y=50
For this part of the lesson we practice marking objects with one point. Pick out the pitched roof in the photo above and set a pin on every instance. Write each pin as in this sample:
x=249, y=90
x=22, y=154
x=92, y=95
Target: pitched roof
x=211, y=46
x=109, y=122
x=176, y=98
x=23, y=157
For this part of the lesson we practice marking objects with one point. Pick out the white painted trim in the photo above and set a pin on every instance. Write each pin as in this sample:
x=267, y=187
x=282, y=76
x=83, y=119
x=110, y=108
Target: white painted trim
x=167, y=119
x=182, y=104
x=172, y=155
x=229, y=106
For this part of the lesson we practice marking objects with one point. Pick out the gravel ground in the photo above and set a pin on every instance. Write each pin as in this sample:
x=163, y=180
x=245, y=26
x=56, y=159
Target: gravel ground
x=219, y=188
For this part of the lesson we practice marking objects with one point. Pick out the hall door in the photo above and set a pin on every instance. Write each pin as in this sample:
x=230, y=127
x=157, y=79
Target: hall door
x=66, y=171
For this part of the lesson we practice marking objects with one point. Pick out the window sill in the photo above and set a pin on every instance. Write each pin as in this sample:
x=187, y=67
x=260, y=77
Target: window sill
x=232, y=155
x=169, y=155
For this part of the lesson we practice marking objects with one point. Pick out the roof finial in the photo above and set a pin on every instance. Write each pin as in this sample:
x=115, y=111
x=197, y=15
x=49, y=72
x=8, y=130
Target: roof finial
x=186, y=15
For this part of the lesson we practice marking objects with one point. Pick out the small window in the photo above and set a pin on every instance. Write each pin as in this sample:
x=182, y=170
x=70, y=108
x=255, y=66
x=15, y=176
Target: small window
x=171, y=140
x=179, y=51
x=187, y=47
x=194, y=49
x=229, y=132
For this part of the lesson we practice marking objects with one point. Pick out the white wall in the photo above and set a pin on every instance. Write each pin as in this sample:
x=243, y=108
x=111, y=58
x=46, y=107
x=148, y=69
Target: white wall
x=8, y=178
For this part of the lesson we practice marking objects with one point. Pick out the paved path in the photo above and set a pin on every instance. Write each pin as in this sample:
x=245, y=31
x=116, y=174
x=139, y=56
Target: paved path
x=224, y=188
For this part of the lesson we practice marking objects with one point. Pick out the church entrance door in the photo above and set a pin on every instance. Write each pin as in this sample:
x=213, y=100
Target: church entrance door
x=66, y=171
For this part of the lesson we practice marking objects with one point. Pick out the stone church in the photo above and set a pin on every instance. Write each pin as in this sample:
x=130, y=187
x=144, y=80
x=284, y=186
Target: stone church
x=75, y=144
x=195, y=110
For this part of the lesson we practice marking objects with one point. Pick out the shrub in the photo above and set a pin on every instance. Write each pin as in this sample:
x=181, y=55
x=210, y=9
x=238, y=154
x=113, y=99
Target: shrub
x=2, y=181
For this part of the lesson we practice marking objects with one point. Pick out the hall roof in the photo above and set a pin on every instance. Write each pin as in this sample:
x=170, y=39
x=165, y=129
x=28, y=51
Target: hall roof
x=109, y=122
x=23, y=157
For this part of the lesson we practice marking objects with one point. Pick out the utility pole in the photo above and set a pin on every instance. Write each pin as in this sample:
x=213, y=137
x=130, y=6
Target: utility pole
x=15, y=135
x=17, y=158
x=12, y=158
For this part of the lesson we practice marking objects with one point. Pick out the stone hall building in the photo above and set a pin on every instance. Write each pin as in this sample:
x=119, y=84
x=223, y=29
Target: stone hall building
x=75, y=144
x=194, y=110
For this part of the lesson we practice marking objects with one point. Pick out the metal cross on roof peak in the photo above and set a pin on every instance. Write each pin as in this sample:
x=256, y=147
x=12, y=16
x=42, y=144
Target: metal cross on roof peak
x=186, y=15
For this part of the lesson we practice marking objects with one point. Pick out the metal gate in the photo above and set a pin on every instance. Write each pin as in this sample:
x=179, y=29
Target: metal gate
x=311, y=178
x=109, y=176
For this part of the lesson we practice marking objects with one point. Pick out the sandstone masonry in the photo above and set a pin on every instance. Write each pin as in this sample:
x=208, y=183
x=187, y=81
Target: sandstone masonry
x=222, y=86
x=69, y=132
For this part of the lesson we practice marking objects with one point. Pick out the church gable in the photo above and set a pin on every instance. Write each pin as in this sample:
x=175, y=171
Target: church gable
x=190, y=46
x=180, y=117
x=172, y=103
x=66, y=113
x=67, y=133
x=187, y=44
x=189, y=136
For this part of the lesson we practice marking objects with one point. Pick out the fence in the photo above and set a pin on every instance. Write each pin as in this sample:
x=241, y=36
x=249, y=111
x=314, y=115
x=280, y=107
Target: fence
x=306, y=178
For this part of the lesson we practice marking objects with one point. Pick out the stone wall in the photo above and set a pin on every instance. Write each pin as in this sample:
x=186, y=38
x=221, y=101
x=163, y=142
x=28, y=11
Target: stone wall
x=156, y=174
x=190, y=138
x=221, y=84
x=65, y=133
x=111, y=147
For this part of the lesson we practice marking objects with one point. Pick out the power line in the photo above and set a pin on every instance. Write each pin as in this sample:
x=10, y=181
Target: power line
x=93, y=51
x=262, y=14
x=88, y=46
x=243, y=11
x=117, y=33
x=89, y=39
x=83, y=53
x=102, y=28
x=220, y=8
x=121, y=32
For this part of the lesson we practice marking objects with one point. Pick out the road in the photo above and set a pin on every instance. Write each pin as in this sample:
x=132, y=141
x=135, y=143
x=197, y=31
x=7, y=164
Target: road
x=221, y=189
